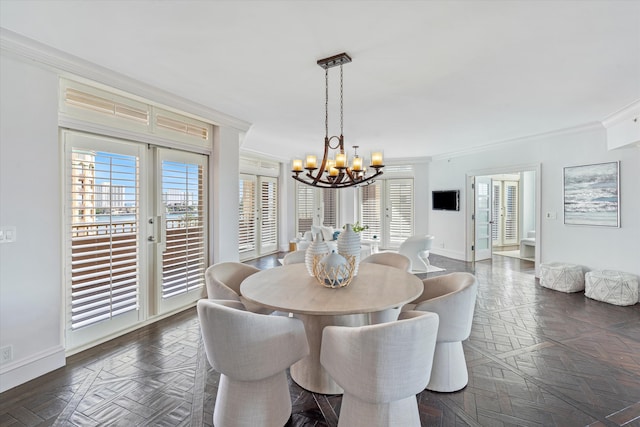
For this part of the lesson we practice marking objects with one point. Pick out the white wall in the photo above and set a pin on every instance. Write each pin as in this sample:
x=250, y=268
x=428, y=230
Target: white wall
x=224, y=193
x=31, y=306
x=593, y=247
x=30, y=268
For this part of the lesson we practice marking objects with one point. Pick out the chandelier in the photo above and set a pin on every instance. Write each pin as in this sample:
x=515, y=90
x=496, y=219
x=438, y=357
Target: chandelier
x=335, y=172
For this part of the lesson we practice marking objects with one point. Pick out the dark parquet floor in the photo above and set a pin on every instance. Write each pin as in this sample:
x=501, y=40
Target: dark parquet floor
x=536, y=357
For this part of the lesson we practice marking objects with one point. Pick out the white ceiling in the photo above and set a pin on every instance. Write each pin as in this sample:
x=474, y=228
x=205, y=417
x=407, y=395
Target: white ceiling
x=427, y=77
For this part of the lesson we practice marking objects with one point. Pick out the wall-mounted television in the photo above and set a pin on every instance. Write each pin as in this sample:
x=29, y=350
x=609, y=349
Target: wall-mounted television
x=445, y=200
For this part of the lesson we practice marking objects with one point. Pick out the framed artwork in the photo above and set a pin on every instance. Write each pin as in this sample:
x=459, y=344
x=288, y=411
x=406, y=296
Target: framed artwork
x=592, y=195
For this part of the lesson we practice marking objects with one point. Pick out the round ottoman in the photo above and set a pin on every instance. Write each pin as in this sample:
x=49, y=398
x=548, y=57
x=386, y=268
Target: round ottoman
x=562, y=277
x=614, y=287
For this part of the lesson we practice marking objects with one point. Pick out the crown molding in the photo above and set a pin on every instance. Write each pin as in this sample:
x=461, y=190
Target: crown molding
x=622, y=114
x=20, y=47
x=507, y=142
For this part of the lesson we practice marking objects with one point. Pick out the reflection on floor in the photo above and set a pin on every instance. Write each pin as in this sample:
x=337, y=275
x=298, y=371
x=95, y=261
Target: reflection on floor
x=512, y=254
x=536, y=357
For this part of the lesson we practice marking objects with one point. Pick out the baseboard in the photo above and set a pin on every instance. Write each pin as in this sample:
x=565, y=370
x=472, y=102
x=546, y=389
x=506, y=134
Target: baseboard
x=448, y=253
x=19, y=372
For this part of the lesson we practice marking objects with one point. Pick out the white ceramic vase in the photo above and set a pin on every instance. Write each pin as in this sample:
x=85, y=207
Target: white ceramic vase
x=317, y=247
x=349, y=244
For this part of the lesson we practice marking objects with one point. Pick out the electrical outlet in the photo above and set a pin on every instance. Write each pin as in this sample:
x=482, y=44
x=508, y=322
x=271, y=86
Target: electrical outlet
x=6, y=354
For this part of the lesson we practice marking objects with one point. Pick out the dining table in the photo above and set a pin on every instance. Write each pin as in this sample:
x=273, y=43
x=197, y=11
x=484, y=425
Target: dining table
x=290, y=289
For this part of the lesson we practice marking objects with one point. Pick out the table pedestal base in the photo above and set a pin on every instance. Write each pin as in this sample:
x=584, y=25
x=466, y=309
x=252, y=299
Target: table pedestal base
x=308, y=373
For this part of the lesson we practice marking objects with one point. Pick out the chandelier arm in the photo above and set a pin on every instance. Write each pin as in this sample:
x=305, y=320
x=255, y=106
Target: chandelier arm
x=327, y=184
x=323, y=165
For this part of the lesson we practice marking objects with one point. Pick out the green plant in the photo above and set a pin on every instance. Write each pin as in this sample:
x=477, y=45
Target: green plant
x=358, y=228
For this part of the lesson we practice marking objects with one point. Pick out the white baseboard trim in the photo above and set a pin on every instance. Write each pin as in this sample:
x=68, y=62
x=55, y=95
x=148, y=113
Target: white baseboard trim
x=448, y=253
x=19, y=372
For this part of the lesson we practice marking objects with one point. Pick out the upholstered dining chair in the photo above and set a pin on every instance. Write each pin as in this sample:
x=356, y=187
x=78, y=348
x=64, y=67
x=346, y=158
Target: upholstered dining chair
x=252, y=352
x=453, y=297
x=391, y=259
x=295, y=257
x=379, y=372
x=223, y=282
x=417, y=248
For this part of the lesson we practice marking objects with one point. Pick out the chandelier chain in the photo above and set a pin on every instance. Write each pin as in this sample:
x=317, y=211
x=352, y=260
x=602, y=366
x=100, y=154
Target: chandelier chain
x=341, y=91
x=326, y=103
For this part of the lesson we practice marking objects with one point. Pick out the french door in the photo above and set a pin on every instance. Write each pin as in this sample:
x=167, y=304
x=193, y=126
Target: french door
x=505, y=227
x=386, y=207
x=135, y=234
x=315, y=206
x=257, y=216
x=483, y=218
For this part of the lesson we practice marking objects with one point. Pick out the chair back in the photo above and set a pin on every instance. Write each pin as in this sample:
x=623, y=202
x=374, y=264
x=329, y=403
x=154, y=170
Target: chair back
x=295, y=257
x=384, y=362
x=223, y=279
x=391, y=259
x=246, y=346
x=453, y=297
x=418, y=242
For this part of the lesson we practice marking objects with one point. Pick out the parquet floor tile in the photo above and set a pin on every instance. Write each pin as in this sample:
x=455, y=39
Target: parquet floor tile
x=535, y=357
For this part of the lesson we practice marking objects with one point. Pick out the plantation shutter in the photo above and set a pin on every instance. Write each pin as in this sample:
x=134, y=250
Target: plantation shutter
x=184, y=258
x=400, y=210
x=246, y=214
x=370, y=210
x=496, y=212
x=104, y=227
x=268, y=214
x=305, y=207
x=330, y=207
x=511, y=212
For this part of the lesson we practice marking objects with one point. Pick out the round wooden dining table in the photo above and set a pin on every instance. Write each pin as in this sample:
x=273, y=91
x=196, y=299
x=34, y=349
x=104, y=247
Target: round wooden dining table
x=291, y=289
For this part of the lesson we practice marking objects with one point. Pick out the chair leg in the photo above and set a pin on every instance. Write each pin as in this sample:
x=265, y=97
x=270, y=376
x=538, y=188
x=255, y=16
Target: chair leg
x=264, y=403
x=355, y=412
x=449, y=369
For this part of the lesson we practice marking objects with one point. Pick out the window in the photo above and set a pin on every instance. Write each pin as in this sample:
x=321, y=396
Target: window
x=258, y=216
x=386, y=206
x=315, y=206
x=104, y=233
x=183, y=260
x=247, y=216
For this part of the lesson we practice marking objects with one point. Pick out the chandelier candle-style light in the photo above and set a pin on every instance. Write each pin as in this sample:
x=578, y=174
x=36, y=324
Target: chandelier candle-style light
x=335, y=172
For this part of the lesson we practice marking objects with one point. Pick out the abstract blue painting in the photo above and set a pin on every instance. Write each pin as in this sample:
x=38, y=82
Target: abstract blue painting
x=592, y=195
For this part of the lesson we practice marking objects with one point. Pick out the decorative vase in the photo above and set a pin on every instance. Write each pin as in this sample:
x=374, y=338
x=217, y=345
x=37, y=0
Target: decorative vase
x=349, y=245
x=333, y=270
x=317, y=247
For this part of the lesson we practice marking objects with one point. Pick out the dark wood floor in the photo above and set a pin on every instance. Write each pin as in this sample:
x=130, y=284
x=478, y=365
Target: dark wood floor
x=536, y=357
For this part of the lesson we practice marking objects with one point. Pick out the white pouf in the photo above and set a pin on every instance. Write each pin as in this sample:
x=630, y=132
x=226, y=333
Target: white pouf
x=562, y=277
x=614, y=287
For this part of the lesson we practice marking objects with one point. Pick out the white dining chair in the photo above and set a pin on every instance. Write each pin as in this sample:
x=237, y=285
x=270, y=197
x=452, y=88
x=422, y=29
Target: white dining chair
x=453, y=297
x=252, y=352
x=381, y=369
x=295, y=257
x=391, y=259
x=223, y=282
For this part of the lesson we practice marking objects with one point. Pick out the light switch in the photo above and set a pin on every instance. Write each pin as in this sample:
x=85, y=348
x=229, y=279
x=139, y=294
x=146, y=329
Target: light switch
x=7, y=234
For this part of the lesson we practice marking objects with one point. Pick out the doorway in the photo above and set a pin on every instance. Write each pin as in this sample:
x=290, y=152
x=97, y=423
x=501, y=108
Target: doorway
x=505, y=208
